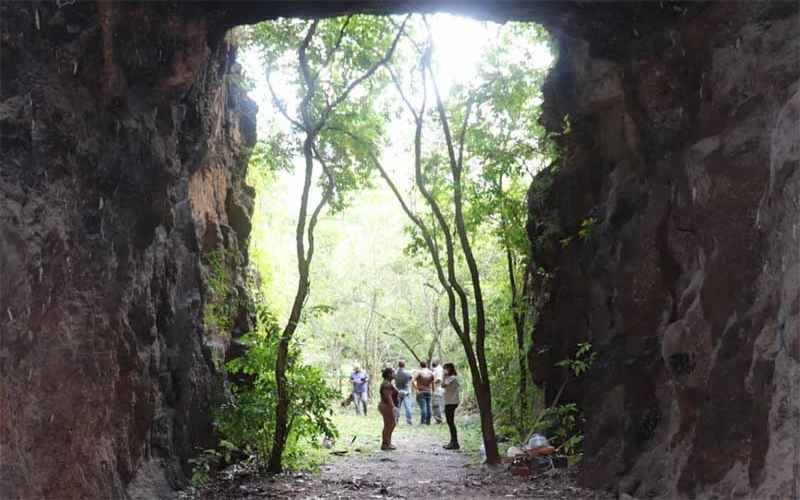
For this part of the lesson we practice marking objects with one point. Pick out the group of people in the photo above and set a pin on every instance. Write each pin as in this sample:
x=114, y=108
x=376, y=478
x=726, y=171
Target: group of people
x=436, y=390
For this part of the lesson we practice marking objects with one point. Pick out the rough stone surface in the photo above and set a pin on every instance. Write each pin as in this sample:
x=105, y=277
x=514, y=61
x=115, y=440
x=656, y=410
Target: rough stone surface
x=123, y=157
x=684, y=148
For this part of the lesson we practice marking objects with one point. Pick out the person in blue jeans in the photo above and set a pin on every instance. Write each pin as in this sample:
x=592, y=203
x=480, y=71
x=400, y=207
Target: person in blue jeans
x=402, y=380
x=423, y=383
x=359, y=378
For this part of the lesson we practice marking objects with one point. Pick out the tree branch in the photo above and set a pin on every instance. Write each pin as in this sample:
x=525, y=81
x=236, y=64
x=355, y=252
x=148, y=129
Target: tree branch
x=337, y=44
x=437, y=212
x=426, y=233
x=371, y=71
x=279, y=104
x=455, y=167
x=326, y=197
x=467, y=112
x=406, y=344
x=402, y=93
x=429, y=198
x=309, y=81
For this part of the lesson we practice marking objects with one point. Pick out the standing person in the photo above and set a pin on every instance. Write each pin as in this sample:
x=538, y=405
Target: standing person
x=451, y=402
x=389, y=401
x=437, y=401
x=402, y=380
x=423, y=383
x=359, y=378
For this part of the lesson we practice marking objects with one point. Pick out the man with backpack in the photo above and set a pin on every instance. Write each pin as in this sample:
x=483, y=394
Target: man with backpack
x=423, y=383
x=402, y=380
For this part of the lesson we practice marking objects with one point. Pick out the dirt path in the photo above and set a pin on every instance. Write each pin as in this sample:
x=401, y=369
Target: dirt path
x=418, y=469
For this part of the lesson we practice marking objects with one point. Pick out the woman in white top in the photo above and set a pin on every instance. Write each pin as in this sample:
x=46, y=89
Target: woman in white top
x=451, y=401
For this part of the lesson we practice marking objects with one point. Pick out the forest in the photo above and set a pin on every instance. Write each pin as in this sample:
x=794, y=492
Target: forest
x=398, y=164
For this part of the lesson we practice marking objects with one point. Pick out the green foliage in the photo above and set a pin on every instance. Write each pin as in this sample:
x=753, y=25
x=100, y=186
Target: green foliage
x=563, y=421
x=209, y=461
x=585, y=232
x=566, y=125
x=248, y=419
x=274, y=153
x=328, y=94
x=364, y=287
x=580, y=364
x=587, y=228
x=222, y=298
x=503, y=150
x=242, y=81
x=503, y=359
x=203, y=465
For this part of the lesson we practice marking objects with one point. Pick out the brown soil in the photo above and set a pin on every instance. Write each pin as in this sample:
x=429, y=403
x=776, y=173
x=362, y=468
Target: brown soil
x=418, y=469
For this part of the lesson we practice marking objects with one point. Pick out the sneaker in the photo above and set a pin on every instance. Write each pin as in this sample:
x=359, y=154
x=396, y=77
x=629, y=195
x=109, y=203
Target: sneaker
x=448, y=446
x=388, y=447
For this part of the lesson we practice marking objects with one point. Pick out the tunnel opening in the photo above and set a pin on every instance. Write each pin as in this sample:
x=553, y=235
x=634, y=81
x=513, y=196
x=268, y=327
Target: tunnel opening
x=373, y=295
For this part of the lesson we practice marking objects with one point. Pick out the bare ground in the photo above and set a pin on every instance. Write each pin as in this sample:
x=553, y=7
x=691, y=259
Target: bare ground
x=418, y=469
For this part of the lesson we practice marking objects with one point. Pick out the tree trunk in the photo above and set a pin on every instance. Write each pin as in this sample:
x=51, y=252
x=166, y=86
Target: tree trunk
x=484, y=400
x=281, y=365
x=282, y=362
x=311, y=126
x=519, y=326
x=523, y=372
x=456, y=295
x=483, y=393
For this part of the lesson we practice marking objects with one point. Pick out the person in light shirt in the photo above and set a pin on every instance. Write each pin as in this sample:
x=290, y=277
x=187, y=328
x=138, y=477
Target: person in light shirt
x=451, y=401
x=359, y=378
x=437, y=400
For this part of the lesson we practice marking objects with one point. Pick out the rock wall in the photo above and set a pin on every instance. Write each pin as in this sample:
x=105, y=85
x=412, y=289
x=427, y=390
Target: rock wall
x=124, y=148
x=681, y=155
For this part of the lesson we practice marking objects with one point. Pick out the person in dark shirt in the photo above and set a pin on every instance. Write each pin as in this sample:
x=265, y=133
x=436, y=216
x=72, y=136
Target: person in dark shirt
x=402, y=380
x=389, y=401
x=423, y=383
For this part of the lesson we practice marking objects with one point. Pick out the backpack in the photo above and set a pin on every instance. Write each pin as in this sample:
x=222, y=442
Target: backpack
x=425, y=382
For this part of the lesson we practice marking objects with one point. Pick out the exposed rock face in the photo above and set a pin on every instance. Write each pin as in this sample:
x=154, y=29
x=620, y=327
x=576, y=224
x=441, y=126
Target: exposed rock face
x=684, y=147
x=124, y=148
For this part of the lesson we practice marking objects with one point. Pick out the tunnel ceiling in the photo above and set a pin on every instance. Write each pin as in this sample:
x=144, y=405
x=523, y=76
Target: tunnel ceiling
x=608, y=25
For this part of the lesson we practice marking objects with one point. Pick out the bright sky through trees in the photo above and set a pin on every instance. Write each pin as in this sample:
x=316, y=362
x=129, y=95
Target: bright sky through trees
x=413, y=141
x=459, y=43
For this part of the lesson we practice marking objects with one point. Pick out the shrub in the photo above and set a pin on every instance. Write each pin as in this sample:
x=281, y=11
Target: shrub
x=248, y=418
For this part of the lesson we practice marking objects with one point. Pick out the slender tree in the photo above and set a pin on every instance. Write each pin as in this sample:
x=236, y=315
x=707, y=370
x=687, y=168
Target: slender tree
x=445, y=264
x=445, y=182
x=333, y=58
x=507, y=142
